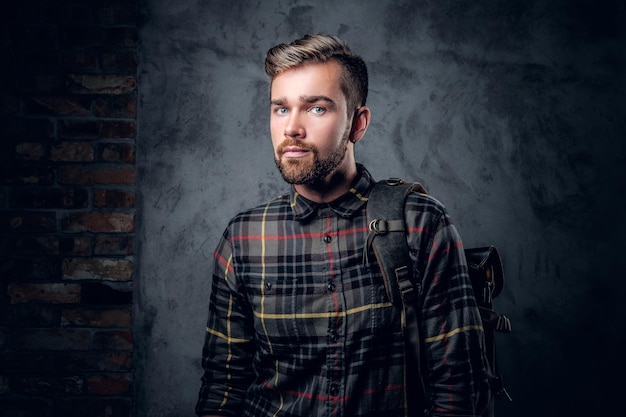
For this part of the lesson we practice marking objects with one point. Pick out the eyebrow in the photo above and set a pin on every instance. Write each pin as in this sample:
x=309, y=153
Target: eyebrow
x=307, y=99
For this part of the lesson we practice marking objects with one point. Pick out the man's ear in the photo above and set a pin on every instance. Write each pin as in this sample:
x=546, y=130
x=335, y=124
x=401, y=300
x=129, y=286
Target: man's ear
x=360, y=122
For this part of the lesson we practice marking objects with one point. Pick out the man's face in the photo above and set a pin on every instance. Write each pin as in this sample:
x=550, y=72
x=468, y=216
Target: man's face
x=309, y=122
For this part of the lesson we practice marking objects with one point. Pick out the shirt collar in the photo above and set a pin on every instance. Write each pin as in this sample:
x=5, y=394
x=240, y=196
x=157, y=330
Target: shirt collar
x=344, y=206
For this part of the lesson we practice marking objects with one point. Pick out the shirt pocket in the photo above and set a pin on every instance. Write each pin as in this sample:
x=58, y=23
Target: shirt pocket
x=288, y=314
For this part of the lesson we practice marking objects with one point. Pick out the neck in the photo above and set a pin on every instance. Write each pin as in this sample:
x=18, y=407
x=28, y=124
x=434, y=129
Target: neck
x=332, y=187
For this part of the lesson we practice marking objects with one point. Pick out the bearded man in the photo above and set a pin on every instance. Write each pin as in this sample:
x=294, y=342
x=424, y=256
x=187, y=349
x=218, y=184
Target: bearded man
x=299, y=323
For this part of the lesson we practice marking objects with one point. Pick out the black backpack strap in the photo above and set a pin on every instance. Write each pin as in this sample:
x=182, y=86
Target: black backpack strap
x=385, y=216
x=388, y=239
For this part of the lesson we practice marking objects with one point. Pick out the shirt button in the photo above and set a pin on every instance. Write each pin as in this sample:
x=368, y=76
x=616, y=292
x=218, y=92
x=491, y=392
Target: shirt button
x=327, y=239
x=268, y=286
x=334, y=389
x=332, y=287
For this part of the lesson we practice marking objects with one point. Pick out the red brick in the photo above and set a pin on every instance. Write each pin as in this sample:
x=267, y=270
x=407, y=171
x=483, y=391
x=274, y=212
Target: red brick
x=30, y=151
x=99, y=222
x=53, y=293
x=118, y=129
x=97, y=129
x=117, y=361
x=48, y=385
x=51, y=339
x=118, y=61
x=101, y=84
x=113, y=198
x=27, y=175
x=98, y=174
x=116, y=152
x=94, y=361
x=40, y=197
x=27, y=221
x=114, y=245
x=50, y=245
x=98, y=268
x=80, y=245
x=115, y=106
x=111, y=384
x=57, y=106
x=72, y=152
x=85, y=317
x=113, y=340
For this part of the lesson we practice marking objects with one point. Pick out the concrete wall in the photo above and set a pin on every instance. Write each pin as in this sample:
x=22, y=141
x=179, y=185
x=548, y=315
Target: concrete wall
x=511, y=112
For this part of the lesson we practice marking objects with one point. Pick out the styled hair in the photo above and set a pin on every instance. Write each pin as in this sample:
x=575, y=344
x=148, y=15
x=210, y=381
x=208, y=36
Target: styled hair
x=319, y=48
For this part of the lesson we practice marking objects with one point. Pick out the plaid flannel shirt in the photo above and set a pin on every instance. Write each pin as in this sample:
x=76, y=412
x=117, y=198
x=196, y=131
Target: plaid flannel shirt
x=299, y=326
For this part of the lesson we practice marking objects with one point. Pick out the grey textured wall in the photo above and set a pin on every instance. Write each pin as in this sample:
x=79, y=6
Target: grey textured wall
x=511, y=112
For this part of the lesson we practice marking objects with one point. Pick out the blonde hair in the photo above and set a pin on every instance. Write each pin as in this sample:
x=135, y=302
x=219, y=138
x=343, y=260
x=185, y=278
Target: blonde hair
x=319, y=48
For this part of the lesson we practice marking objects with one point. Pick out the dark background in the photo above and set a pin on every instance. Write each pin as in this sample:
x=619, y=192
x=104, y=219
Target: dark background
x=510, y=112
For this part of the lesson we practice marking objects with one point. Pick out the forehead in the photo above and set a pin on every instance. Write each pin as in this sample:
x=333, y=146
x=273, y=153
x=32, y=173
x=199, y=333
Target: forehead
x=308, y=80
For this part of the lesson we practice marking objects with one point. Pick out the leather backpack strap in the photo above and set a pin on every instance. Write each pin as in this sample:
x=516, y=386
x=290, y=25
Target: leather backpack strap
x=387, y=231
x=388, y=240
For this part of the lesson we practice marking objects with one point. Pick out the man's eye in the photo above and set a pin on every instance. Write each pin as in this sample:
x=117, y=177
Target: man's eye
x=280, y=110
x=318, y=110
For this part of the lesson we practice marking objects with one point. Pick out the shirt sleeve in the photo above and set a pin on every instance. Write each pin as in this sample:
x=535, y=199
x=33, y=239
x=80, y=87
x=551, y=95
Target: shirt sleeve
x=455, y=367
x=227, y=351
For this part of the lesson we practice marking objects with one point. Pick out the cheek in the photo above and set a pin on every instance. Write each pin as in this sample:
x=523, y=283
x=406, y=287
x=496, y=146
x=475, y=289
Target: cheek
x=337, y=132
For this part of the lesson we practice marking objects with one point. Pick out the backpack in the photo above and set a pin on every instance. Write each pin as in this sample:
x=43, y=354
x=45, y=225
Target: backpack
x=385, y=215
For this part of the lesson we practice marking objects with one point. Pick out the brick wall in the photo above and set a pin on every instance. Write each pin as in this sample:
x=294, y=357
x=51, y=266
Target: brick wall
x=67, y=207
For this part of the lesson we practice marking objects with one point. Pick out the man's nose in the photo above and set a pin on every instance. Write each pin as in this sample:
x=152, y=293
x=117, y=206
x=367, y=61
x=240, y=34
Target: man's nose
x=294, y=129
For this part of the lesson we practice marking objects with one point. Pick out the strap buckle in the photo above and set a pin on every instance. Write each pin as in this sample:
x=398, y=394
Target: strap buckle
x=379, y=226
x=395, y=181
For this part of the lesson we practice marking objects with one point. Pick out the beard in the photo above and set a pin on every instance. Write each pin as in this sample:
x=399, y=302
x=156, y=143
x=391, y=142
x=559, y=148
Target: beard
x=310, y=170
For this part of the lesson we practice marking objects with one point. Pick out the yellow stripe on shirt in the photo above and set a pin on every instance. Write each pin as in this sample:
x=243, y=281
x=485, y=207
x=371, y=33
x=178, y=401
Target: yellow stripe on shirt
x=322, y=315
x=227, y=338
x=452, y=333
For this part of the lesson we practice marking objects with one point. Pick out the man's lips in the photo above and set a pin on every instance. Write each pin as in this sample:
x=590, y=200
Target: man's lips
x=294, y=152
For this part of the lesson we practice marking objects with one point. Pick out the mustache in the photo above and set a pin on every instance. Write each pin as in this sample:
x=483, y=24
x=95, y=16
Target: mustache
x=294, y=143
